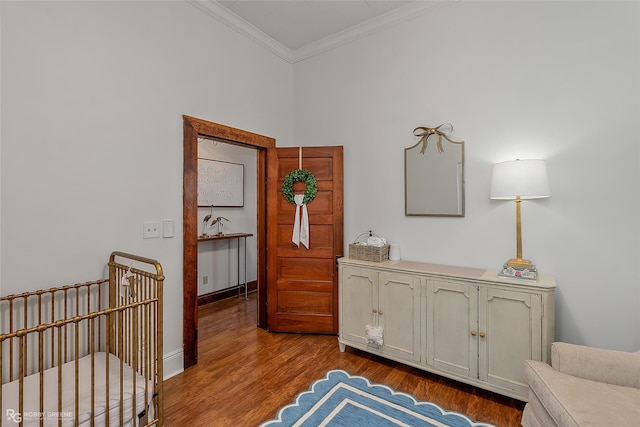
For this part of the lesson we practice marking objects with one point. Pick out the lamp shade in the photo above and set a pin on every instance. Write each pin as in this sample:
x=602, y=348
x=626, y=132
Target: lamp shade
x=524, y=178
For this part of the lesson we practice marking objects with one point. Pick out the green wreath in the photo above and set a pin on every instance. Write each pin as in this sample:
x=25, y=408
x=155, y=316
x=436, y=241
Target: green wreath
x=301, y=175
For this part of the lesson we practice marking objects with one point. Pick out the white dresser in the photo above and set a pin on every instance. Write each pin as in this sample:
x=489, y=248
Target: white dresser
x=463, y=323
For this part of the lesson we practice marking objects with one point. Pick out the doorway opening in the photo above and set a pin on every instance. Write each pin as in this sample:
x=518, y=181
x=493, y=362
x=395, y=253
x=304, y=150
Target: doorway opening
x=194, y=128
x=227, y=213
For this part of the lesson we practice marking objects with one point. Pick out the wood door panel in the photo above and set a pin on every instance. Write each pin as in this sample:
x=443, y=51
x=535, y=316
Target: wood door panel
x=314, y=269
x=320, y=237
x=322, y=204
x=302, y=283
x=322, y=324
x=309, y=286
x=321, y=168
x=305, y=302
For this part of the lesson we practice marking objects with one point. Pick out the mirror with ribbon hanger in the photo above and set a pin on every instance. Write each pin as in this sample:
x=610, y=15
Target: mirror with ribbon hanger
x=434, y=173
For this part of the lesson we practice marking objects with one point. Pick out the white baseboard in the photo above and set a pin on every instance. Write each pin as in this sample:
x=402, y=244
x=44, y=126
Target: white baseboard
x=173, y=363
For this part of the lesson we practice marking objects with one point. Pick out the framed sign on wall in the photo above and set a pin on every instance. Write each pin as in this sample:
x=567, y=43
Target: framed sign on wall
x=220, y=183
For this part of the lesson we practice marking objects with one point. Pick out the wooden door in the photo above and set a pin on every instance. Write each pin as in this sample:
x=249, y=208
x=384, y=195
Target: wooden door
x=302, y=284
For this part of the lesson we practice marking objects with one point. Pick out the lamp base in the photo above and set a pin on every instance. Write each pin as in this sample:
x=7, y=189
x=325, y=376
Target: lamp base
x=519, y=269
x=519, y=263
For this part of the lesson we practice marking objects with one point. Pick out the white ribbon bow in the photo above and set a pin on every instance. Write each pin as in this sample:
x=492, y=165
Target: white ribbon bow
x=125, y=284
x=300, y=228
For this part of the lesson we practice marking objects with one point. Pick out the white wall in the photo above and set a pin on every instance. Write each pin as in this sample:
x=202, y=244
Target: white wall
x=93, y=94
x=92, y=103
x=218, y=260
x=552, y=80
x=1, y=151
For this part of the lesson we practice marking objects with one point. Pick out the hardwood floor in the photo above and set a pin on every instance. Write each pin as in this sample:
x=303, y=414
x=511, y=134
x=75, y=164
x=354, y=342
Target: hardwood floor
x=245, y=374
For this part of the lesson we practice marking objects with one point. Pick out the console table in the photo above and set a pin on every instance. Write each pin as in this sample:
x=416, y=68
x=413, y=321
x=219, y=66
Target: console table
x=232, y=236
x=462, y=323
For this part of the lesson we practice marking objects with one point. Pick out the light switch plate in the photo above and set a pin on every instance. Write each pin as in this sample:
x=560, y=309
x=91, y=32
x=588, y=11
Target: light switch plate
x=168, y=227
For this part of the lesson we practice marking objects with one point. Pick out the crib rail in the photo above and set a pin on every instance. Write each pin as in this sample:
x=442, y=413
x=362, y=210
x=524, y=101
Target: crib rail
x=66, y=332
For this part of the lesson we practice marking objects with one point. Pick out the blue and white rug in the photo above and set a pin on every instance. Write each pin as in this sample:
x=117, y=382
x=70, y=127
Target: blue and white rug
x=340, y=399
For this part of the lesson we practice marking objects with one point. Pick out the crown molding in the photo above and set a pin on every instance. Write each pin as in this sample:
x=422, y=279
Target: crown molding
x=382, y=22
x=397, y=16
x=233, y=21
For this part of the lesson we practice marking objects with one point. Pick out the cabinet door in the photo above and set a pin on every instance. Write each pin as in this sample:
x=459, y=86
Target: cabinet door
x=511, y=322
x=399, y=315
x=452, y=327
x=359, y=296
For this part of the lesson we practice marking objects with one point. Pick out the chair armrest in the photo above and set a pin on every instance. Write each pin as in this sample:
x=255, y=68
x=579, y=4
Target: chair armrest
x=597, y=364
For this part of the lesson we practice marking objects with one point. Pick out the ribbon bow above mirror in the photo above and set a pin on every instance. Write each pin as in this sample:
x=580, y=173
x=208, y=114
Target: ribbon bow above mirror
x=424, y=133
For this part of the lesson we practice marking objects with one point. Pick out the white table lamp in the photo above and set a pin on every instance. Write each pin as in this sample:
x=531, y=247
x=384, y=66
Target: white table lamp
x=519, y=180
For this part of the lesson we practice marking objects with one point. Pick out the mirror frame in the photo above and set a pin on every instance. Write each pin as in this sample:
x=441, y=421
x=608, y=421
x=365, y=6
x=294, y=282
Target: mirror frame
x=424, y=141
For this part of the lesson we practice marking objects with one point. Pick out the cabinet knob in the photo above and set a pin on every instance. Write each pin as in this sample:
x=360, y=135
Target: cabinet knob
x=473, y=333
x=482, y=334
x=380, y=311
x=375, y=311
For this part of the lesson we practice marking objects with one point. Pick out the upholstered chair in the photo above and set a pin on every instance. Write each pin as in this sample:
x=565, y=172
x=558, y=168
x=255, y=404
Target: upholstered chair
x=584, y=386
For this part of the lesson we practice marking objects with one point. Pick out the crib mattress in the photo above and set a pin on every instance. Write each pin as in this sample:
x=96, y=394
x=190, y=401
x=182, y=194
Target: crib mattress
x=31, y=414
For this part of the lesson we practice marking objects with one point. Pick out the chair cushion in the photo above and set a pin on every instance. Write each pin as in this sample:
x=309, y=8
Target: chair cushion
x=574, y=401
x=597, y=364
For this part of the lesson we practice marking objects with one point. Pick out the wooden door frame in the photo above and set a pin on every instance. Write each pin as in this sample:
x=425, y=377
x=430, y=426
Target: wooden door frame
x=193, y=128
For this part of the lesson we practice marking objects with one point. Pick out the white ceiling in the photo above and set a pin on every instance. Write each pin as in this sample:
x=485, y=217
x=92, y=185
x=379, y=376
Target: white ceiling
x=297, y=23
x=299, y=29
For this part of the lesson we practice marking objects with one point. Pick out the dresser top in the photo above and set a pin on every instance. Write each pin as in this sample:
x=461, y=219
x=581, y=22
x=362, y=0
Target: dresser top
x=453, y=271
x=439, y=268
